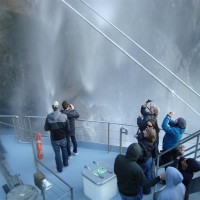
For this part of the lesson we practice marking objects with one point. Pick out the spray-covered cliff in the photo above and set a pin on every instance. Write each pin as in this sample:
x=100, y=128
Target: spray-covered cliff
x=56, y=50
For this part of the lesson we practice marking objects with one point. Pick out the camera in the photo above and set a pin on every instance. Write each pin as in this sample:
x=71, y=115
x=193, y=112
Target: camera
x=149, y=100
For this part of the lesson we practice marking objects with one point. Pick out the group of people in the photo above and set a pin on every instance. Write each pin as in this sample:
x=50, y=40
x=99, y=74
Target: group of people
x=61, y=124
x=135, y=171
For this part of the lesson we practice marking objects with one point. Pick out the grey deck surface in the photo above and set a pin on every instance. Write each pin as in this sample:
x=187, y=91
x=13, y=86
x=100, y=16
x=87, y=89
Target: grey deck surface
x=19, y=160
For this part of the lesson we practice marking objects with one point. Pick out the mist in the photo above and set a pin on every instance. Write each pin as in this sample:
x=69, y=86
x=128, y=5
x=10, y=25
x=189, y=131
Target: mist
x=72, y=59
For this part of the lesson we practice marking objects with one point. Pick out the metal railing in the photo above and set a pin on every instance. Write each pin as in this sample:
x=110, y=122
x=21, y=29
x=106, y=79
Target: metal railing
x=101, y=132
x=15, y=123
x=66, y=190
x=193, y=150
x=114, y=134
x=67, y=193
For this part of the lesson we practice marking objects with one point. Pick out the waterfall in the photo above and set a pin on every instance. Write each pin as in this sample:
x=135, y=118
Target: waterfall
x=76, y=62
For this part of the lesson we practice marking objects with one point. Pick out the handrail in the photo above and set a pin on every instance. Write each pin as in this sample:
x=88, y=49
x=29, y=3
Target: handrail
x=36, y=161
x=183, y=141
x=92, y=121
x=140, y=47
x=186, y=139
x=15, y=121
x=9, y=116
x=52, y=172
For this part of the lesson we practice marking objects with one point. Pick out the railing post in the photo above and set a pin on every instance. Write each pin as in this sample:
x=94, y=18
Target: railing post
x=32, y=143
x=16, y=126
x=196, y=149
x=125, y=131
x=108, y=137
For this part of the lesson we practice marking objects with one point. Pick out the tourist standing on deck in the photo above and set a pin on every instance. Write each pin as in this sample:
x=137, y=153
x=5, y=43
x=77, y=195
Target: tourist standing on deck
x=130, y=176
x=57, y=123
x=187, y=167
x=152, y=123
x=174, y=130
x=72, y=114
x=148, y=112
x=174, y=189
x=147, y=144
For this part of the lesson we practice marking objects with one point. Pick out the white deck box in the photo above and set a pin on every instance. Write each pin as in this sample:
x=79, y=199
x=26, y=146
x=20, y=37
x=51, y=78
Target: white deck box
x=99, y=181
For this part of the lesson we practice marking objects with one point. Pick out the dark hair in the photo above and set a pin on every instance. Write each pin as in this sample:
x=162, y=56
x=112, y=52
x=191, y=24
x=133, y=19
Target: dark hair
x=155, y=125
x=65, y=104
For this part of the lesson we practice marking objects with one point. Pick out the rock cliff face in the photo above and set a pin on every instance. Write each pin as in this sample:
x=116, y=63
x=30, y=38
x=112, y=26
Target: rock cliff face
x=47, y=53
x=20, y=6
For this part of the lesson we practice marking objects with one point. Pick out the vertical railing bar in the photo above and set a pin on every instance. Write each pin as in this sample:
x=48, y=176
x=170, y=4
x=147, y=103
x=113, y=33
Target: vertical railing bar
x=108, y=137
x=32, y=143
x=196, y=148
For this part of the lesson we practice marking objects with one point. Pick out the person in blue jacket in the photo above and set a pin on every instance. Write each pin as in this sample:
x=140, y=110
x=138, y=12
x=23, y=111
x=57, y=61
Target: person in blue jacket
x=174, y=130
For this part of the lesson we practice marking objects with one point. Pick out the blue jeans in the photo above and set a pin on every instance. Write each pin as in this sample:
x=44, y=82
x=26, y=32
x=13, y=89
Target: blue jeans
x=57, y=146
x=136, y=197
x=74, y=142
x=146, y=167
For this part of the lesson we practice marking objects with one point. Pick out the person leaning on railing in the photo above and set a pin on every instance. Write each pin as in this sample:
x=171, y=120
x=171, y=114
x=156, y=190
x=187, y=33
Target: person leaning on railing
x=174, y=130
x=187, y=167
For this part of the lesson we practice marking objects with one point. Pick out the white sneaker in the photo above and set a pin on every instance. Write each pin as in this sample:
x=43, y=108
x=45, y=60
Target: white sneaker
x=69, y=157
x=75, y=154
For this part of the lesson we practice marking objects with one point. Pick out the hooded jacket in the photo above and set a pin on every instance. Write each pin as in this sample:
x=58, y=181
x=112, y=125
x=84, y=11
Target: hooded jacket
x=174, y=188
x=173, y=133
x=58, y=124
x=193, y=166
x=130, y=176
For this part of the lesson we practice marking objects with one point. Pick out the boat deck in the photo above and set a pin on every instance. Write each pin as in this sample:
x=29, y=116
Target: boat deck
x=19, y=160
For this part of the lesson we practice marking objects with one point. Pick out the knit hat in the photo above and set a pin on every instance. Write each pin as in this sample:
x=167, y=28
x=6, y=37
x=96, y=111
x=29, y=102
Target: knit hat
x=181, y=123
x=193, y=165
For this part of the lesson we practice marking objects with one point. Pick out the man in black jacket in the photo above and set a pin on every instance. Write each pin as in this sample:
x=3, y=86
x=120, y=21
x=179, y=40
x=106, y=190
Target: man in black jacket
x=130, y=176
x=57, y=123
x=72, y=114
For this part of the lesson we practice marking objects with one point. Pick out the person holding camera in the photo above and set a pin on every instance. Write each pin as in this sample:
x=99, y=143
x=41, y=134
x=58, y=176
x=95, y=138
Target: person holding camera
x=72, y=114
x=148, y=112
x=174, y=130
